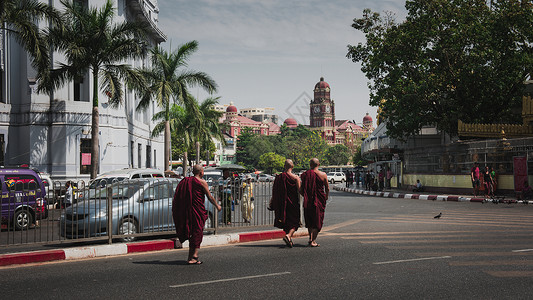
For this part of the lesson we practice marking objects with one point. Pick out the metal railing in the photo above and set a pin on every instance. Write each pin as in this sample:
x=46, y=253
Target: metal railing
x=111, y=210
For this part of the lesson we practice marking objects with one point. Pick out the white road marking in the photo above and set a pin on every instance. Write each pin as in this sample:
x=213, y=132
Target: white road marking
x=228, y=279
x=409, y=260
x=523, y=250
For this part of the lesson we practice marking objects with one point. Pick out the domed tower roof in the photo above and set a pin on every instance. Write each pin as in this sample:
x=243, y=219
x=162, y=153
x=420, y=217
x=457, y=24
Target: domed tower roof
x=321, y=84
x=367, y=120
x=291, y=123
x=231, y=108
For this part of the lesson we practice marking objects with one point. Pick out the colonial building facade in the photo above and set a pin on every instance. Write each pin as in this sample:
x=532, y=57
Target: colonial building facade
x=53, y=133
x=322, y=119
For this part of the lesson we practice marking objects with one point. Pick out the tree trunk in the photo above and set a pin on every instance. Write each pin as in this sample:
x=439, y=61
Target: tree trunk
x=185, y=163
x=197, y=153
x=95, y=128
x=167, y=145
x=207, y=158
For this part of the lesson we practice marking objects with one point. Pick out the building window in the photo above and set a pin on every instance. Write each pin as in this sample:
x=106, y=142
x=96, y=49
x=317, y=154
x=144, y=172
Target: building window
x=139, y=155
x=155, y=161
x=148, y=156
x=132, y=149
x=85, y=156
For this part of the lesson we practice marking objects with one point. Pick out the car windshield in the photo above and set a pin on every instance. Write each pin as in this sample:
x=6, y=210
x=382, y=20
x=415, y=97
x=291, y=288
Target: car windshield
x=120, y=191
x=102, y=182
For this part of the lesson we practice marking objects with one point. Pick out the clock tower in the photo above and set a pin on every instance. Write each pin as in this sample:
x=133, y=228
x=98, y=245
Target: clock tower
x=322, y=114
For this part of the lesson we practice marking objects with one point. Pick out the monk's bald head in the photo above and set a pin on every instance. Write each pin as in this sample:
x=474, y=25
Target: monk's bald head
x=313, y=163
x=288, y=164
x=197, y=169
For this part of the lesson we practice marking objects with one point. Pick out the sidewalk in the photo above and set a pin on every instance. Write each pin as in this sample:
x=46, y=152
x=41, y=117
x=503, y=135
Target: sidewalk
x=73, y=253
x=434, y=197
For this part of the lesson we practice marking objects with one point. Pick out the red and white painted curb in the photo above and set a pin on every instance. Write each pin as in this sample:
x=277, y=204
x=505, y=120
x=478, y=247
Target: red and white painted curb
x=424, y=197
x=120, y=249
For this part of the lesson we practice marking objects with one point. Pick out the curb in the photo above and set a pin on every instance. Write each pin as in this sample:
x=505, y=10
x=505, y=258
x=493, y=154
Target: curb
x=148, y=246
x=425, y=197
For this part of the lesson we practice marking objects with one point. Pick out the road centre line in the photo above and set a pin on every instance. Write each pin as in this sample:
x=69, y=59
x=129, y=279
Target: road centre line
x=410, y=260
x=228, y=279
x=523, y=250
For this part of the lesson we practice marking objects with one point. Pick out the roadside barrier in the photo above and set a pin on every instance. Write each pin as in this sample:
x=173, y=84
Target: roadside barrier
x=112, y=210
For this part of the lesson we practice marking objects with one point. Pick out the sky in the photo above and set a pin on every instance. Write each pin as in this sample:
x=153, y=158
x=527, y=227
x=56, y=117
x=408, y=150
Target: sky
x=271, y=53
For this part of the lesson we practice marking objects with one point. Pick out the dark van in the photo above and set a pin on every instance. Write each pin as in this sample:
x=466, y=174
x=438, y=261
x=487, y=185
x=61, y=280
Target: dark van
x=23, y=197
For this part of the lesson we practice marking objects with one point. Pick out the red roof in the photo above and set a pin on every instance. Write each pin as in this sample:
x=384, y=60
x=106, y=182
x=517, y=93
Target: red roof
x=367, y=118
x=290, y=122
x=231, y=108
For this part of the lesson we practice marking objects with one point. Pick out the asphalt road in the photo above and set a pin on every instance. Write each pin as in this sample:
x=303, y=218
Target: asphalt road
x=371, y=248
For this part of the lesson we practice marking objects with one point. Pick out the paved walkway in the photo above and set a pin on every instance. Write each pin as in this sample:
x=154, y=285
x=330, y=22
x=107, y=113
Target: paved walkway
x=435, y=197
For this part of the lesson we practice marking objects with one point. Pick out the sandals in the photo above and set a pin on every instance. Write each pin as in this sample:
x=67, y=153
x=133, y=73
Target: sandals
x=196, y=262
x=310, y=243
x=288, y=242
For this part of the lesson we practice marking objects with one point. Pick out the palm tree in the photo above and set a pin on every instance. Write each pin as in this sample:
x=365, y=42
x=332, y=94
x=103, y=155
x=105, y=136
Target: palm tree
x=167, y=83
x=90, y=40
x=181, y=121
x=20, y=17
x=210, y=126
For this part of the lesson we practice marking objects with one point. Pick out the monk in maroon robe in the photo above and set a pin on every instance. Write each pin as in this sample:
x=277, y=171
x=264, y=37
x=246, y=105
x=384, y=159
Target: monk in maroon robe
x=286, y=203
x=315, y=190
x=189, y=213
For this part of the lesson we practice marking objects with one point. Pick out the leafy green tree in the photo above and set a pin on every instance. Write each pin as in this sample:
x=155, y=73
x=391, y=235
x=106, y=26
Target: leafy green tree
x=242, y=143
x=338, y=155
x=167, y=83
x=358, y=158
x=272, y=162
x=89, y=39
x=20, y=18
x=449, y=60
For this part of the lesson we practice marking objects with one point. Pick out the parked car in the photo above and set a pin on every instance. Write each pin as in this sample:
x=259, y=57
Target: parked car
x=265, y=178
x=336, y=177
x=139, y=205
x=23, y=197
x=48, y=186
x=127, y=173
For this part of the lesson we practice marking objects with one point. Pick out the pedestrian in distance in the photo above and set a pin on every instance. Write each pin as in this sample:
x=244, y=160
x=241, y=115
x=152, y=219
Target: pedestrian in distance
x=226, y=196
x=286, y=203
x=487, y=182
x=247, y=206
x=494, y=181
x=68, y=194
x=474, y=175
x=189, y=213
x=315, y=190
x=389, y=177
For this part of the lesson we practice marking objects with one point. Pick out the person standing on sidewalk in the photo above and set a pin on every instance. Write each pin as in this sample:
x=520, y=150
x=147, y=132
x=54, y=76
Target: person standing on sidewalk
x=189, y=213
x=315, y=190
x=474, y=175
x=487, y=182
x=247, y=205
x=286, y=203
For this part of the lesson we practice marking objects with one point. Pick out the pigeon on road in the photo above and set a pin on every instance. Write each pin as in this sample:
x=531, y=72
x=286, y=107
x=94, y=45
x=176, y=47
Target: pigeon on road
x=438, y=216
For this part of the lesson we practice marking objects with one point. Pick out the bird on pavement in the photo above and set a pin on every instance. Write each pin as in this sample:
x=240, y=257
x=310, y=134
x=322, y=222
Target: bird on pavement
x=438, y=216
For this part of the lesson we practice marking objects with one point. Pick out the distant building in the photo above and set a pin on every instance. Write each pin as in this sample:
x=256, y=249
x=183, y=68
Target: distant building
x=260, y=114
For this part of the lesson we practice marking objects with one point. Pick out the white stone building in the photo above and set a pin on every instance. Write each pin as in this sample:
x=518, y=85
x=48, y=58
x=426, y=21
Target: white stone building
x=53, y=134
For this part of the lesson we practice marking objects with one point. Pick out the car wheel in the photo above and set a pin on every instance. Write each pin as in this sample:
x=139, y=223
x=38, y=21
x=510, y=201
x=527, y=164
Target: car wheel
x=332, y=181
x=22, y=219
x=128, y=226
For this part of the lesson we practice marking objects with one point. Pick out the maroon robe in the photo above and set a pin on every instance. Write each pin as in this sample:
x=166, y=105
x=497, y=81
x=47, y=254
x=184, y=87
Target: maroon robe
x=286, y=203
x=188, y=211
x=314, y=199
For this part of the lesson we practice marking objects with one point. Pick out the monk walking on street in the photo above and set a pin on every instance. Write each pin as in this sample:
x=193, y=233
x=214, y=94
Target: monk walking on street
x=189, y=213
x=286, y=203
x=315, y=190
